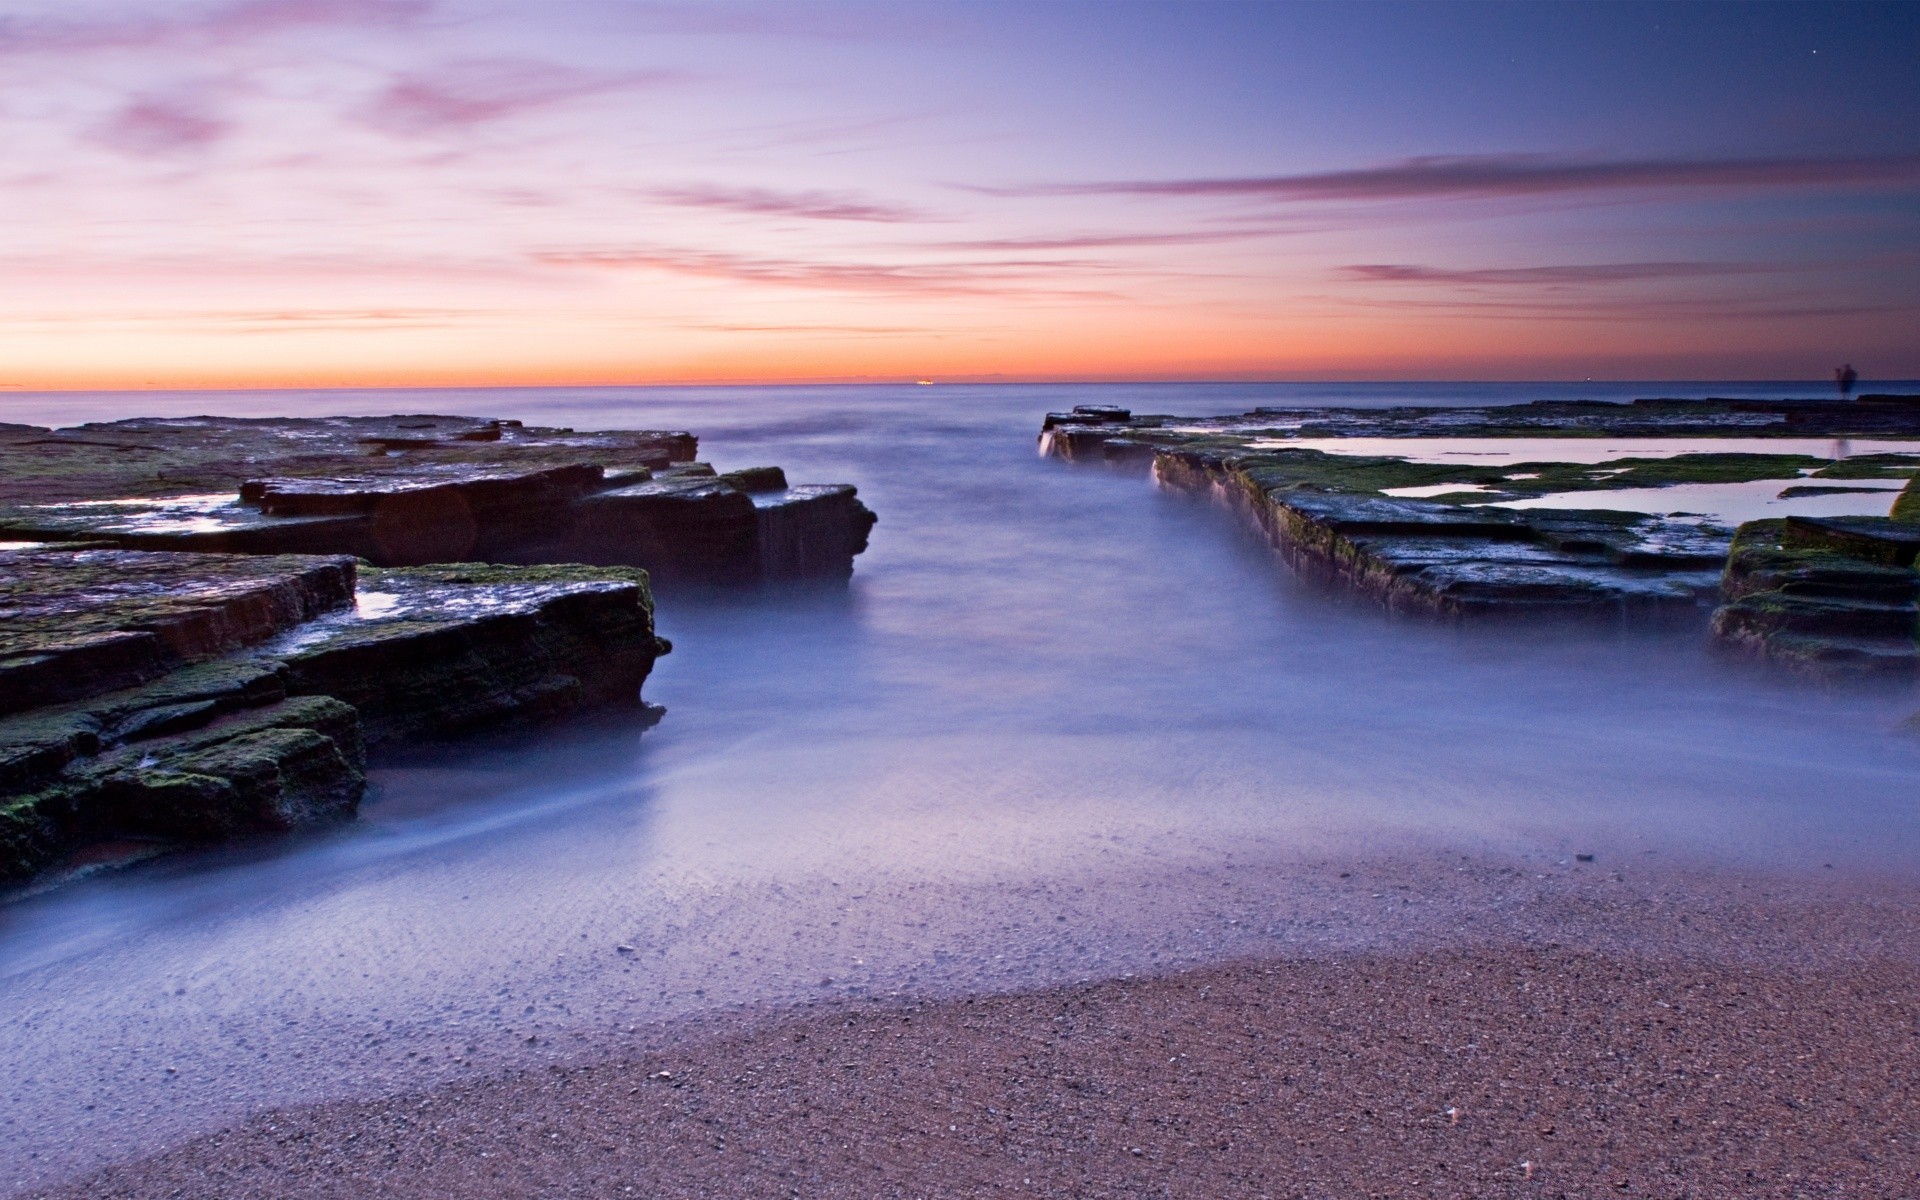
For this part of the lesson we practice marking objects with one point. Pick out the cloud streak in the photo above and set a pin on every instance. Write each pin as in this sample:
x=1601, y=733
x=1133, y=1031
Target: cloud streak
x=254, y=322
x=1097, y=241
x=1636, y=311
x=1550, y=276
x=156, y=126
x=810, y=330
x=223, y=23
x=1471, y=177
x=462, y=95
x=979, y=279
x=769, y=202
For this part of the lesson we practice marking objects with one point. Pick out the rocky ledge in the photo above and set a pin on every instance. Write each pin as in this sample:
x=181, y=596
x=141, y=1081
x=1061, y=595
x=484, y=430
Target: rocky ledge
x=181, y=697
x=206, y=622
x=1824, y=596
x=403, y=491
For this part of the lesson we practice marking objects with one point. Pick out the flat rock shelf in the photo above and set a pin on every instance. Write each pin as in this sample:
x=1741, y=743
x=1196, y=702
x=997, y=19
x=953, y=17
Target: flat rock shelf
x=176, y=697
x=1554, y=518
x=402, y=491
x=206, y=622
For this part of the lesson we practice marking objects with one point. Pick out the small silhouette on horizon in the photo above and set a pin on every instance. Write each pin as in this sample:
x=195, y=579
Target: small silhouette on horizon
x=1843, y=378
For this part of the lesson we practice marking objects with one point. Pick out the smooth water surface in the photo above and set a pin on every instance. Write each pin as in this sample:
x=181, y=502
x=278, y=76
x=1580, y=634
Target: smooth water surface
x=1731, y=504
x=1507, y=452
x=1054, y=728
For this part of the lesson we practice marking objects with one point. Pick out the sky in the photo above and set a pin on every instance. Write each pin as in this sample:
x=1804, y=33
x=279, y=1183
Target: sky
x=249, y=193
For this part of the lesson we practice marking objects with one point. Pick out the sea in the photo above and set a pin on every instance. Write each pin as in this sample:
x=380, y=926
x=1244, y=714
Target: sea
x=1060, y=725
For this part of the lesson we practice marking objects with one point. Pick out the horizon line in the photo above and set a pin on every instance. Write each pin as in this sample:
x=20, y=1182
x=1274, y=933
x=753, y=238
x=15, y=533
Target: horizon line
x=1825, y=384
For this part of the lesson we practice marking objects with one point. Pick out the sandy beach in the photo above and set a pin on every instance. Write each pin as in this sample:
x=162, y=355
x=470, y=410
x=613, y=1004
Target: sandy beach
x=1725, y=1038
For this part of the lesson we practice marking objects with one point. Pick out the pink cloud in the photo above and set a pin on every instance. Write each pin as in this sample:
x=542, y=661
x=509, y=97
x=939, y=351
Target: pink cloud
x=462, y=95
x=1495, y=176
x=210, y=23
x=820, y=206
x=156, y=127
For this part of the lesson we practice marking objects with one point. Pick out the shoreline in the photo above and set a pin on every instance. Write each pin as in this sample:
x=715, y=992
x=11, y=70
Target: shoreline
x=1557, y=995
x=1501, y=1071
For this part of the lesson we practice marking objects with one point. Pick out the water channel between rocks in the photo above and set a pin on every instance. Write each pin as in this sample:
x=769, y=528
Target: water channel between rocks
x=1059, y=726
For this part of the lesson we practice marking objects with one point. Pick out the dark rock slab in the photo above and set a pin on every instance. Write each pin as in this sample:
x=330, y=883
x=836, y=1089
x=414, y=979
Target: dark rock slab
x=243, y=699
x=1883, y=416
x=1880, y=540
x=683, y=526
x=270, y=769
x=155, y=456
x=400, y=491
x=78, y=623
x=1450, y=553
x=444, y=649
x=812, y=531
x=201, y=523
x=1831, y=598
x=757, y=479
x=1452, y=560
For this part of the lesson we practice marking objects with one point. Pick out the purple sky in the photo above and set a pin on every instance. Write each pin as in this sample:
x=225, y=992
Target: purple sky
x=455, y=191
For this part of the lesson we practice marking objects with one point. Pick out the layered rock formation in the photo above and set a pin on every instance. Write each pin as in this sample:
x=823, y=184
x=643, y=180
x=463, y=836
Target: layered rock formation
x=205, y=622
x=191, y=697
x=402, y=491
x=1826, y=596
x=1427, y=556
x=1873, y=416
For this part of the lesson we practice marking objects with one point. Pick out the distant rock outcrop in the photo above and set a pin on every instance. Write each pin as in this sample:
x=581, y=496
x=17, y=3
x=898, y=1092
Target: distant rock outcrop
x=402, y=491
x=1824, y=596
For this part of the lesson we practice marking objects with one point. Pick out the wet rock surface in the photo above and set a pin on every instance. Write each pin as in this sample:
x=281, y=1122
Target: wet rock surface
x=1868, y=417
x=205, y=621
x=180, y=697
x=1824, y=598
x=80, y=622
x=401, y=491
x=1824, y=595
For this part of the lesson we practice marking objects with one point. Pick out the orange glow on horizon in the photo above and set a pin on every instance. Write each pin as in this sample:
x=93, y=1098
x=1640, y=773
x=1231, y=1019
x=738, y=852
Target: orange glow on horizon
x=203, y=196
x=1151, y=351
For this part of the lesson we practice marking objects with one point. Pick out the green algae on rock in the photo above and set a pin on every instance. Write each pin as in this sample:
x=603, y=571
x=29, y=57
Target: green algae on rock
x=227, y=695
x=205, y=621
x=402, y=491
x=1825, y=596
x=74, y=623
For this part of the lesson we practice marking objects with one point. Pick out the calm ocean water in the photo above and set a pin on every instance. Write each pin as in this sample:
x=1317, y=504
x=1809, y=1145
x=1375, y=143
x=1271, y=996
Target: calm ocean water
x=1051, y=701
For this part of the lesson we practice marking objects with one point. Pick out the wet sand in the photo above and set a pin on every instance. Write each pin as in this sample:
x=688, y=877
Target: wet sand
x=1675, y=1045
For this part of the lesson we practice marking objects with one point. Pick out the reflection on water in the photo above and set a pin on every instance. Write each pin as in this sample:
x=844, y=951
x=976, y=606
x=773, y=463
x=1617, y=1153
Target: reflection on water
x=1503, y=452
x=1728, y=503
x=1427, y=490
x=1046, y=689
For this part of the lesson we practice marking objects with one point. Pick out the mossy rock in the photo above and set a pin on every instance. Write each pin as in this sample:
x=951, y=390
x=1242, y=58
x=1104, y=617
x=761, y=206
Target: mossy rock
x=292, y=763
x=757, y=479
x=1906, y=506
x=74, y=625
x=265, y=781
x=1807, y=597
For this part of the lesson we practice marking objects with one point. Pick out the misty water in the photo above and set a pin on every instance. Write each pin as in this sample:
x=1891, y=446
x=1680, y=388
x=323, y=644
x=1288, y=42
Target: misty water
x=1059, y=726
